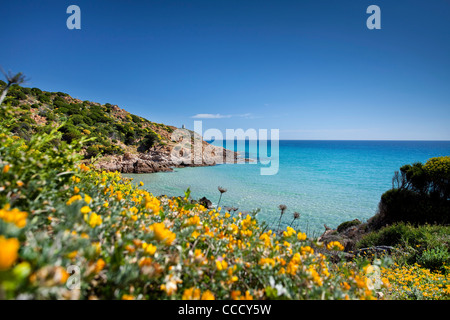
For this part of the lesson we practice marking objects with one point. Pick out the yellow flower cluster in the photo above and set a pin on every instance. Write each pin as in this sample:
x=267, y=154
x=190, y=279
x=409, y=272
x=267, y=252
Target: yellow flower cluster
x=149, y=248
x=438, y=165
x=196, y=294
x=413, y=279
x=95, y=220
x=15, y=216
x=335, y=245
x=289, y=232
x=162, y=234
x=8, y=252
x=152, y=203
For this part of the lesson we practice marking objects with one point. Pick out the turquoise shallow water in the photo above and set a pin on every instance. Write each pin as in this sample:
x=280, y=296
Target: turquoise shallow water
x=326, y=181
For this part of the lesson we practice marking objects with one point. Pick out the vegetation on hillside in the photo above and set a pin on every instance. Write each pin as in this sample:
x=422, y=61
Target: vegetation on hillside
x=113, y=130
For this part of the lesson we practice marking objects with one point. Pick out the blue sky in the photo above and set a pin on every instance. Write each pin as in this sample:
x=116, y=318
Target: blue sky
x=309, y=68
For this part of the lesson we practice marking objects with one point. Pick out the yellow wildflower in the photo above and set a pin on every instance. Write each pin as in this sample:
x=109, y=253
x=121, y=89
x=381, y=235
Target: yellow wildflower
x=149, y=248
x=162, y=234
x=15, y=216
x=85, y=209
x=208, y=295
x=99, y=265
x=95, y=220
x=335, y=245
x=6, y=168
x=301, y=236
x=191, y=294
x=8, y=252
x=73, y=199
x=87, y=199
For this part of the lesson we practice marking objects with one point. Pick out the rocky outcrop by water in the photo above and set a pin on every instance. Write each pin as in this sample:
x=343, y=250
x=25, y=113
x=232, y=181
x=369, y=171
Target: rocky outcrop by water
x=162, y=159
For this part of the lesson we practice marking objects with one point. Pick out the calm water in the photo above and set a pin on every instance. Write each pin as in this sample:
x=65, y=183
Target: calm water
x=326, y=181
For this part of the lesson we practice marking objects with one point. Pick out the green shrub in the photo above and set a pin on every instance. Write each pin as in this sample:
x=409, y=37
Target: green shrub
x=435, y=258
x=10, y=101
x=135, y=118
x=36, y=92
x=61, y=104
x=70, y=133
x=17, y=94
x=149, y=140
x=44, y=98
x=420, y=194
x=77, y=119
x=58, y=98
x=347, y=224
x=27, y=91
x=413, y=241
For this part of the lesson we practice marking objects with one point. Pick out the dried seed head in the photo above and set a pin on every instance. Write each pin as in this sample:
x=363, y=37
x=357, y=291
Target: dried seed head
x=222, y=190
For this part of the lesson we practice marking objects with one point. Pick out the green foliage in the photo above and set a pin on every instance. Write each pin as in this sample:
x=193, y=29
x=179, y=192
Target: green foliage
x=39, y=164
x=17, y=93
x=70, y=133
x=109, y=130
x=347, y=224
x=135, y=118
x=77, y=119
x=435, y=258
x=420, y=194
x=431, y=178
x=413, y=242
x=10, y=101
x=43, y=98
x=149, y=141
x=36, y=92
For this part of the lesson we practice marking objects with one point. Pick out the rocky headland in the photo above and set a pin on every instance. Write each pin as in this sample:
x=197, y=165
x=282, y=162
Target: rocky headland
x=161, y=159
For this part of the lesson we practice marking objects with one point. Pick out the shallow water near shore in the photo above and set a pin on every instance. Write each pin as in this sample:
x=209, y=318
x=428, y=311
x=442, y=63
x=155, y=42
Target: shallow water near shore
x=327, y=182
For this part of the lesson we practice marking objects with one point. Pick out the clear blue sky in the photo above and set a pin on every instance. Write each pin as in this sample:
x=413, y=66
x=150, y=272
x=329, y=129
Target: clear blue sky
x=310, y=68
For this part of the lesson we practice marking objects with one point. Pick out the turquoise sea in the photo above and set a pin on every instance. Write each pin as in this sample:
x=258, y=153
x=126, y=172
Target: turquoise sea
x=327, y=182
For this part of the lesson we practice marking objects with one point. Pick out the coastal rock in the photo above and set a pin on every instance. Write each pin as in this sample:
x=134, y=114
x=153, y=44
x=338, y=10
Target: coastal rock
x=159, y=158
x=347, y=237
x=206, y=203
x=376, y=249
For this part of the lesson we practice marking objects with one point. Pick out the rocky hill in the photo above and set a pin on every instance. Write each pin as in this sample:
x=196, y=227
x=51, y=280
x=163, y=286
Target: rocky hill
x=117, y=139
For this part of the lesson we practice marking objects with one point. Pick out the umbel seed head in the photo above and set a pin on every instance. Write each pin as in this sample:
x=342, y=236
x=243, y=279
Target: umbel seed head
x=222, y=190
x=296, y=215
x=282, y=207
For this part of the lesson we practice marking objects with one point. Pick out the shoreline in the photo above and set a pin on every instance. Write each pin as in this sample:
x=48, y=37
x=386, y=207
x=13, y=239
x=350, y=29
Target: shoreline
x=159, y=160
